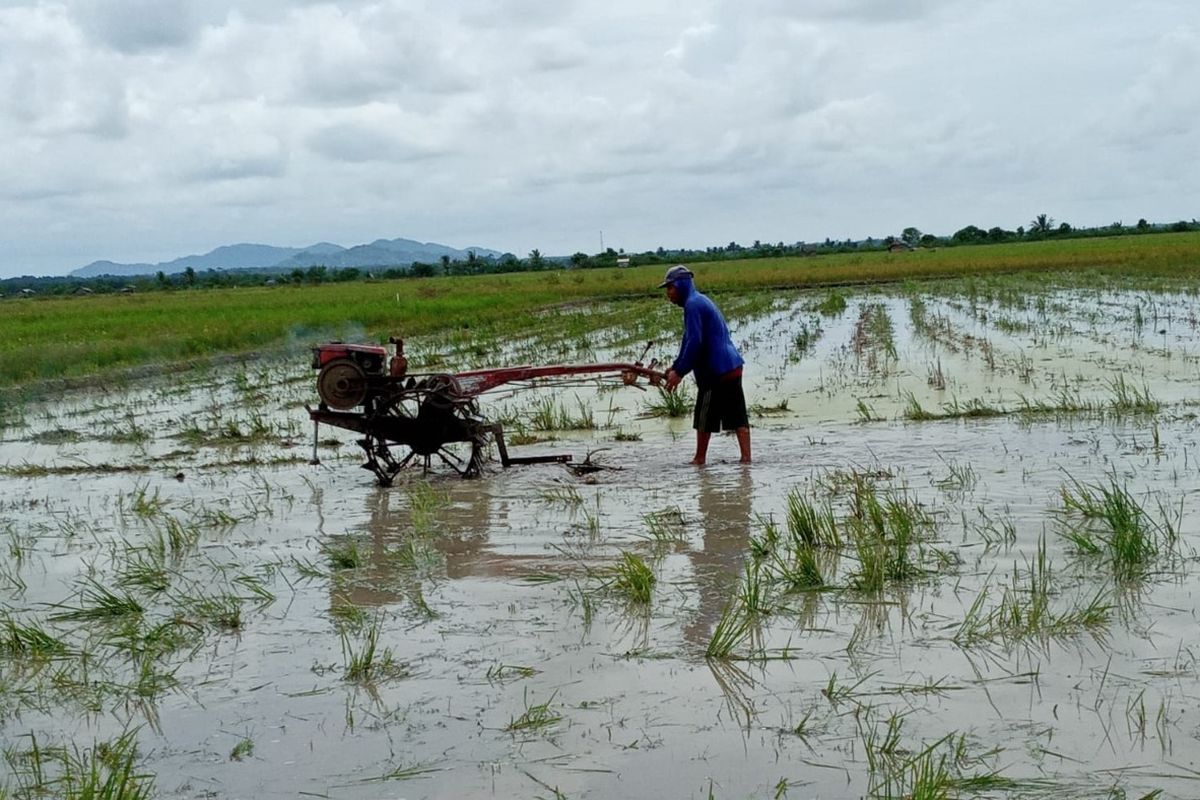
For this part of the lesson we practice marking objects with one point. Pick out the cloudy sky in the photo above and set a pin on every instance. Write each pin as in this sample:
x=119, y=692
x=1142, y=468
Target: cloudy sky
x=143, y=130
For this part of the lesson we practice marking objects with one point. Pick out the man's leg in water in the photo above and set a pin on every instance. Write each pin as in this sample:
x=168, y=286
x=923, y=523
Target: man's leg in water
x=743, y=439
x=702, y=438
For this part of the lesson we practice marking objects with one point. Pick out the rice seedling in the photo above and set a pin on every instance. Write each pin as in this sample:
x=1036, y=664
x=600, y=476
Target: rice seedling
x=143, y=640
x=345, y=554
x=1128, y=399
x=665, y=528
x=936, y=378
x=633, y=579
x=800, y=570
x=836, y=692
x=145, y=568
x=1025, y=612
x=591, y=521
x=626, y=436
x=501, y=672
x=994, y=532
x=760, y=410
x=1122, y=530
x=969, y=409
x=176, y=537
x=914, y=411
x=129, y=433
x=347, y=616
x=670, y=404
x=561, y=495
x=959, y=478
x=149, y=681
x=54, y=436
x=536, y=717
x=402, y=773
x=811, y=526
x=731, y=631
x=222, y=611
x=242, y=750
x=425, y=501
x=923, y=777
x=97, y=604
x=418, y=555
x=752, y=591
x=550, y=415
x=834, y=304
x=29, y=641
x=105, y=771
x=866, y=413
x=805, y=340
x=887, y=539
x=366, y=663
x=143, y=504
x=256, y=587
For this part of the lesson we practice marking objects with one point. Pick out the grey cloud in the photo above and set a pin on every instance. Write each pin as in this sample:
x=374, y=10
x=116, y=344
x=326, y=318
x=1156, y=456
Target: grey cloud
x=1162, y=101
x=131, y=26
x=378, y=53
x=48, y=87
x=235, y=156
x=865, y=11
x=356, y=143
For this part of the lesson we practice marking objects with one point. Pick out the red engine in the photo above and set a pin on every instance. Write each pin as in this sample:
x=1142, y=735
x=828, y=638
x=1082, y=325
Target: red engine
x=346, y=370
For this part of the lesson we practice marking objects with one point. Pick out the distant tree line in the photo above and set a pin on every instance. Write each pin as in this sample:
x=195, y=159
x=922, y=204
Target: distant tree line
x=1041, y=227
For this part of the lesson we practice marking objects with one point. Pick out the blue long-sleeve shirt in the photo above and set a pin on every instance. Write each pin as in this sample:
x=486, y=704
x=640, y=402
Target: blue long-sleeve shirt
x=707, y=348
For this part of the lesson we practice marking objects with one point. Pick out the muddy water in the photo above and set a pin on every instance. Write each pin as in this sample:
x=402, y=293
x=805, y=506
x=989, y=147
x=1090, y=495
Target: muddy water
x=522, y=673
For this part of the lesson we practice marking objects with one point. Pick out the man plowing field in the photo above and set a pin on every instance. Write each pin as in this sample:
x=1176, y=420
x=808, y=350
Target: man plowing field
x=707, y=351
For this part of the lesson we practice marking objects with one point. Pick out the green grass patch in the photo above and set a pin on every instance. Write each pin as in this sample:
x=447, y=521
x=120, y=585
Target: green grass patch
x=53, y=338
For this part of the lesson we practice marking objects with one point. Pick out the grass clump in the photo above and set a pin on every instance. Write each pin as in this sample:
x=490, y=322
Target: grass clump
x=40, y=340
x=366, y=663
x=887, y=536
x=98, y=604
x=242, y=750
x=809, y=525
x=29, y=642
x=665, y=528
x=832, y=305
x=670, y=404
x=732, y=629
x=1025, y=611
x=106, y=771
x=1129, y=399
x=1115, y=526
x=550, y=415
x=347, y=554
x=536, y=717
x=633, y=579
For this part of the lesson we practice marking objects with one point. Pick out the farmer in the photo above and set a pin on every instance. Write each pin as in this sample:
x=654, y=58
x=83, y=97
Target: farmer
x=708, y=351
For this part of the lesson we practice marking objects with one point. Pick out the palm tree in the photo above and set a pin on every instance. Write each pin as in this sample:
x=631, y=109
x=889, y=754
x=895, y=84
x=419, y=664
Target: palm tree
x=1042, y=223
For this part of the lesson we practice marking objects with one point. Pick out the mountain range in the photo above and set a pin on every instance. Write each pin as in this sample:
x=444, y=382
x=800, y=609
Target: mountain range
x=379, y=253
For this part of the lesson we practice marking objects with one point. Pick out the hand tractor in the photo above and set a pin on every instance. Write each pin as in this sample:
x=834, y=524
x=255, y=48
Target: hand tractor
x=408, y=419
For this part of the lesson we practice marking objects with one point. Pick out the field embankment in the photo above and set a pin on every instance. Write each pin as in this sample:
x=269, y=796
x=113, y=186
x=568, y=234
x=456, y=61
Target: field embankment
x=55, y=338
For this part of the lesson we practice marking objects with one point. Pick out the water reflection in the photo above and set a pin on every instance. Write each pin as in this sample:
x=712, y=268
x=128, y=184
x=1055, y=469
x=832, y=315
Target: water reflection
x=725, y=504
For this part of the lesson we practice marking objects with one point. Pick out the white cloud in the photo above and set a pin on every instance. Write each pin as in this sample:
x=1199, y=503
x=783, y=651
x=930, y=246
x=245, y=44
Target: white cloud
x=136, y=130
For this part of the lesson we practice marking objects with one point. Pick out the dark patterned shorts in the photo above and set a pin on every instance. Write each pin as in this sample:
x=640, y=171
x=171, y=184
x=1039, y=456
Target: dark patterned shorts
x=721, y=407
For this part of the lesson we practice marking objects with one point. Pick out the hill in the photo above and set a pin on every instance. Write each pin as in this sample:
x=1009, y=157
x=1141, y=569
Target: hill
x=380, y=253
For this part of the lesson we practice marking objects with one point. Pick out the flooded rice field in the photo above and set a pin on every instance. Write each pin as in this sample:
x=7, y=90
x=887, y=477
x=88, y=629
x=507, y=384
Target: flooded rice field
x=962, y=565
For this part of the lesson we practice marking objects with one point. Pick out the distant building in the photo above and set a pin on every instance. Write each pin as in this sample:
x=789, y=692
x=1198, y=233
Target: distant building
x=899, y=247
x=623, y=261
x=28, y=292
